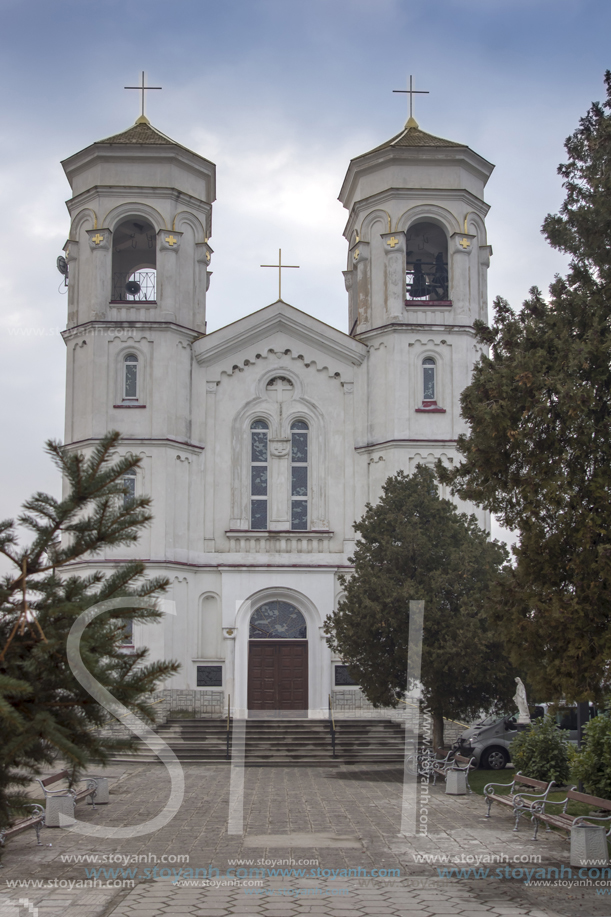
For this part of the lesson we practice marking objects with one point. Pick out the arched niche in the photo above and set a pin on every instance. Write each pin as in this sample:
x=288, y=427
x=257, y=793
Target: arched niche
x=427, y=262
x=209, y=630
x=134, y=261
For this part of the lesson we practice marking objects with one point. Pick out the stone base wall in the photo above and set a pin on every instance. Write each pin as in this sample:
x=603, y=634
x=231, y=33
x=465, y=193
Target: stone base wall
x=197, y=704
x=353, y=703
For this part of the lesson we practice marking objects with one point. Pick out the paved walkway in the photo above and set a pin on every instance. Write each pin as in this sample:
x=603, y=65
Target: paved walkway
x=329, y=821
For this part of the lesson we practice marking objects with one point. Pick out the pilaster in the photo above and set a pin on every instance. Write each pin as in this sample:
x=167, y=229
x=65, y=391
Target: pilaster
x=394, y=275
x=100, y=245
x=168, y=247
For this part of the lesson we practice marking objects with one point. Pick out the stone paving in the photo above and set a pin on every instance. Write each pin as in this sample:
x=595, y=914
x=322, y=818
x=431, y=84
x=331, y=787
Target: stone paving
x=341, y=819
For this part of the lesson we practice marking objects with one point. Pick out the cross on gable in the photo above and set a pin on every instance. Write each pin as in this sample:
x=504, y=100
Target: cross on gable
x=142, y=88
x=411, y=92
x=280, y=267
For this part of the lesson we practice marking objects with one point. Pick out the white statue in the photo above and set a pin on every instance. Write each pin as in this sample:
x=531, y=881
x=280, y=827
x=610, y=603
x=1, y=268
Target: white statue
x=521, y=703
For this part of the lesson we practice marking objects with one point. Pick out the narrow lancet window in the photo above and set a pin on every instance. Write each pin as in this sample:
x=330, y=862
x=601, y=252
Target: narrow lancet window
x=299, y=475
x=259, y=432
x=130, y=377
x=429, y=381
x=129, y=483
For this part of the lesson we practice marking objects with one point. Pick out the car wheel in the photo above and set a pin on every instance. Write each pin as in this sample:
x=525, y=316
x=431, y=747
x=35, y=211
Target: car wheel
x=494, y=759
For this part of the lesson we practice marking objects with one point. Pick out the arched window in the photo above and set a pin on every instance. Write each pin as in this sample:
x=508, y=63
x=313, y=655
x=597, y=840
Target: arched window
x=427, y=263
x=129, y=482
x=130, y=377
x=299, y=475
x=277, y=620
x=259, y=432
x=134, y=262
x=429, y=381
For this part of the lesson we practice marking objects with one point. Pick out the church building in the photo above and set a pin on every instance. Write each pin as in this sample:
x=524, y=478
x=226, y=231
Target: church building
x=262, y=442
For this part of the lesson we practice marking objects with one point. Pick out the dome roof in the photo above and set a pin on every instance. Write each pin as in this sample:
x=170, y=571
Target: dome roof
x=140, y=132
x=412, y=136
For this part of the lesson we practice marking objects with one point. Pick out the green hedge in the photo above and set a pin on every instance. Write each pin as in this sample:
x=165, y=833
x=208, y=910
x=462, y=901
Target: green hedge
x=542, y=752
x=592, y=764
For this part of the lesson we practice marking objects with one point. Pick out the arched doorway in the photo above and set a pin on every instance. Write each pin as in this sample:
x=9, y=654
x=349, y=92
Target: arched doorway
x=277, y=660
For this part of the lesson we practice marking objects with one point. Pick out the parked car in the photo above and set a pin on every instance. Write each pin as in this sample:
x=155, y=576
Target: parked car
x=488, y=741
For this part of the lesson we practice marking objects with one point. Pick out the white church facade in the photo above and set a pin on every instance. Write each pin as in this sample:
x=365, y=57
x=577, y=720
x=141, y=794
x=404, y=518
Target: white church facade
x=262, y=442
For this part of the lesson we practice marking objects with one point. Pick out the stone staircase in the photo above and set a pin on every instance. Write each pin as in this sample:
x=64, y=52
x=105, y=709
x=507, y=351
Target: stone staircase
x=280, y=742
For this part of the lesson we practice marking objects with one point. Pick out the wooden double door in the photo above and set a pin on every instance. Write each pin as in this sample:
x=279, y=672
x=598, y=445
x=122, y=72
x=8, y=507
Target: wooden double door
x=278, y=676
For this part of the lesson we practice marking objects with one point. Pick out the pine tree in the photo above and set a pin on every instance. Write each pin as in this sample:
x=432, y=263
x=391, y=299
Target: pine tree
x=414, y=545
x=539, y=450
x=44, y=712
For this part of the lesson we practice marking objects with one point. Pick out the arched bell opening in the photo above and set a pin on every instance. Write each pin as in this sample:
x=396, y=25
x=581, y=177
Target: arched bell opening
x=134, y=262
x=427, y=263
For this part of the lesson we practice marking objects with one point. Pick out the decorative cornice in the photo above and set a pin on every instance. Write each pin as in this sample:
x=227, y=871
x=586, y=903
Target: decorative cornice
x=152, y=440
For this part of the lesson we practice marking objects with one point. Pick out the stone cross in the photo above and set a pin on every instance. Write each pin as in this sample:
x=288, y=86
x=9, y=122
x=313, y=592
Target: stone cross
x=143, y=89
x=411, y=93
x=280, y=267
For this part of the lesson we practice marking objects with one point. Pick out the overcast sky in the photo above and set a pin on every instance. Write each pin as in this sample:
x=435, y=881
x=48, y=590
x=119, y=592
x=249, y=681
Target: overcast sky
x=280, y=95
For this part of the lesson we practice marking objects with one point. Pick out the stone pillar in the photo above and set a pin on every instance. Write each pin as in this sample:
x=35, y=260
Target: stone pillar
x=168, y=246
x=209, y=466
x=351, y=290
x=279, y=485
x=100, y=243
x=394, y=275
x=461, y=247
x=71, y=253
x=203, y=256
x=361, y=283
x=485, y=253
x=229, y=633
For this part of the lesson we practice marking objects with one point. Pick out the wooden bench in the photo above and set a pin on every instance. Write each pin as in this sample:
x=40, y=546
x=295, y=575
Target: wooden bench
x=563, y=820
x=464, y=764
x=36, y=820
x=438, y=766
x=441, y=767
x=52, y=797
x=422, y=763
x=517, y=798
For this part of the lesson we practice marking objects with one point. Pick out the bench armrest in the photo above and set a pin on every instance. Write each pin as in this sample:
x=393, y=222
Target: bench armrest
x=488, y=789
x=463, y=767
x=67, y=791
x=37, y=809
x=581, y=819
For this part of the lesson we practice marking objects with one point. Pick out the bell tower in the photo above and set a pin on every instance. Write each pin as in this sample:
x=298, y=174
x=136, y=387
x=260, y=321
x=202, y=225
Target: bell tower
x=417, y=246
x=138, y=270
x=416, y=278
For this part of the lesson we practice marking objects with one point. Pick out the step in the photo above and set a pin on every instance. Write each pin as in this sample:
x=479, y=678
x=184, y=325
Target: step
x=283, y=742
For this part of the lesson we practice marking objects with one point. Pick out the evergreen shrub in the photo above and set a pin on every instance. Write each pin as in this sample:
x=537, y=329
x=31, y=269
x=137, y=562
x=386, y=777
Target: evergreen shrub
x=592, y=763
x=542, y=752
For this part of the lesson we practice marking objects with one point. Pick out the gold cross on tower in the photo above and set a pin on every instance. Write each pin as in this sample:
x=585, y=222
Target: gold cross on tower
x=142, y=89
x=464, y=243
x=97, y=238
x=171, y=240
x=280, y=267
x=411, y=92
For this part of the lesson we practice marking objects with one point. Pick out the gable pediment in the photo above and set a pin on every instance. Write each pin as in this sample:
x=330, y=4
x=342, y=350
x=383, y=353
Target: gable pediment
x=282, y=323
